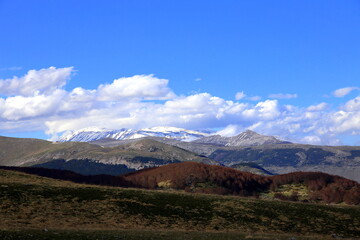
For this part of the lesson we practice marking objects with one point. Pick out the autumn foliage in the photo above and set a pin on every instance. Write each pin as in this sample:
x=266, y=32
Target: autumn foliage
x=323, y=187
x=203, y=178
x=223, y=180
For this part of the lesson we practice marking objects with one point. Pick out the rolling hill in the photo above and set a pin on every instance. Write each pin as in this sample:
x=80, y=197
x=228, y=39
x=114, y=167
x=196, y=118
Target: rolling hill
x=204, y=178
x=285, y=158
x=315, y=187
x=34, y=207
x=77, y=156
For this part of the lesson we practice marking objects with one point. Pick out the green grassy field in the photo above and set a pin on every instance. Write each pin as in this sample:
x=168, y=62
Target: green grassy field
x=29, y=204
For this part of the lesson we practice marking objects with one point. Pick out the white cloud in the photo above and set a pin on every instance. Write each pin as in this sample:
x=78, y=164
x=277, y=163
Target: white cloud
x=342, y=92
x=311, y=140
x=19, y=107
x=345, y=122
x=230, y=130
x=132, y=102
x=139, y=86
x=319, y=107
x=353, y=105
x=254, y=98
x=197, y=79
x=283, y=96
x=240, y=95
x=266, y=110
x=43, y=81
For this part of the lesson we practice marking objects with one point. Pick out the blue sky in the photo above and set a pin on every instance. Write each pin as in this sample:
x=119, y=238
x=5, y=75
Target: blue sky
x=280, y=58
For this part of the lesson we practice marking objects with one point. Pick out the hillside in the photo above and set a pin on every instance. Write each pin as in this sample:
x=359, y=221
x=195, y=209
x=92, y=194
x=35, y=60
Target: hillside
x=202, y=178
x=275, y=158
x=75, y=155
x=314, y=187
x=285, y=158
x=71, y=209
x=252, y=168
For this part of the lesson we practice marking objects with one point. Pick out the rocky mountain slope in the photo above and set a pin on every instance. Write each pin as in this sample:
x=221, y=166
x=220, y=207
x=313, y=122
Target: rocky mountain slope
x=247, y=138
x=284, y=158
x=276, y=158
x=134, y=155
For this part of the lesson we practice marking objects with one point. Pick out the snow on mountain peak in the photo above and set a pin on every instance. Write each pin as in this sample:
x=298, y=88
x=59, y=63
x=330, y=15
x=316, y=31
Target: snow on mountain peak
x=95, y=133
x=247, y=138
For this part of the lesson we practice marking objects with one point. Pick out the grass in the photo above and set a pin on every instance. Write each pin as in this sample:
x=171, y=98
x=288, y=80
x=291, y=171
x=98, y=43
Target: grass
x=288, y=190
x=31, y=203
x=143, y=235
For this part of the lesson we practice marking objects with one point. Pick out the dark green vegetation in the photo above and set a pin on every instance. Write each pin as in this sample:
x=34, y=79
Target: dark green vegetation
x=86, y=167
x=33, y=202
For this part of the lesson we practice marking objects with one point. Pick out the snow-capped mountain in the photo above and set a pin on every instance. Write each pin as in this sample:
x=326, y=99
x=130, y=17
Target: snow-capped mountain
x=247, y=138
x=93, y=133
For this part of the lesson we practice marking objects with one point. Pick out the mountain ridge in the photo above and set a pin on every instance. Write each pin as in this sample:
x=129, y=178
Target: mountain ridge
x=135, y=155
x=94, y=133
x=246, y=138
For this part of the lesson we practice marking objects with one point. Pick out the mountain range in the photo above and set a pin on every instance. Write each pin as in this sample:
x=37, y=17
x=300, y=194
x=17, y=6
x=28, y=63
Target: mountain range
x=249, y=151
x=87, y=158
x=247, y=138
x=94, y=133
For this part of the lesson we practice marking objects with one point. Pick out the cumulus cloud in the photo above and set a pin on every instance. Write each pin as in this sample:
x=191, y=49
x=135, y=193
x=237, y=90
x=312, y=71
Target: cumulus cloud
x=265, y=110
x=230, y=130
x=43, y=81
x=139, y=86
x=20, y=107
x=353, y=105
x=41, y=103
x=342, y=92
x=240, y=95
x=318, y=107
x=283, y=96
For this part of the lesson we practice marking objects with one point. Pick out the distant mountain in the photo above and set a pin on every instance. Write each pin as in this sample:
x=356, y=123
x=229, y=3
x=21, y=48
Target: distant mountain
x=89, y=158
x=275, y=158
x=247, y=138
x=122, y=156
x=252, y=168
x=285, y=158
x=93, y=134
